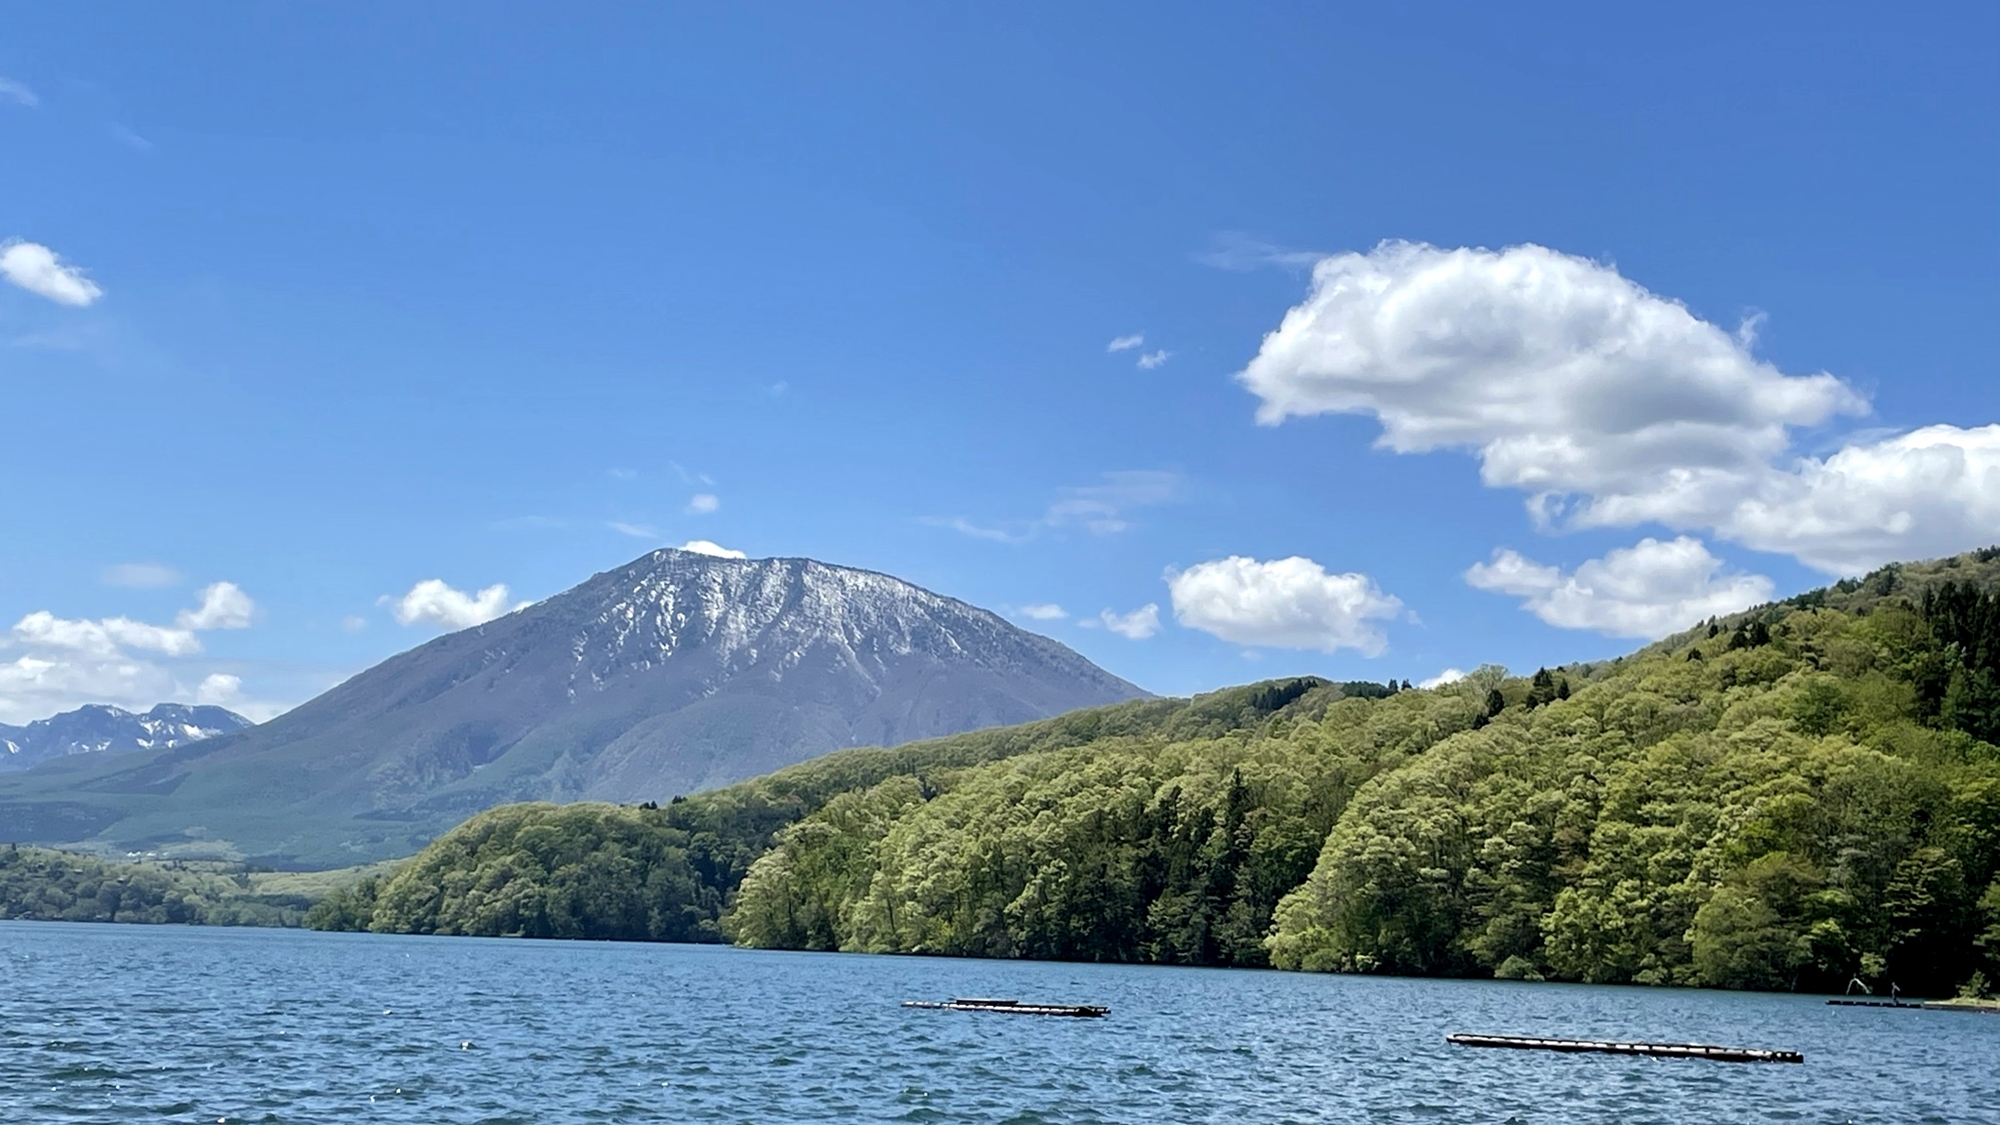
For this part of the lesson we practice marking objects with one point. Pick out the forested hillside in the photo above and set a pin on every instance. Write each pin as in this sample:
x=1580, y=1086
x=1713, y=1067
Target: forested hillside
x=40, y=884
x=1786, y=799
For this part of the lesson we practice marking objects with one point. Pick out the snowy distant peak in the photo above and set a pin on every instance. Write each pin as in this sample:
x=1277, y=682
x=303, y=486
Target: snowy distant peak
x=99, y=728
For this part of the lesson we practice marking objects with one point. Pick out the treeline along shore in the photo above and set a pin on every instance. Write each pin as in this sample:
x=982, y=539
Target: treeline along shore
x=1785, y=799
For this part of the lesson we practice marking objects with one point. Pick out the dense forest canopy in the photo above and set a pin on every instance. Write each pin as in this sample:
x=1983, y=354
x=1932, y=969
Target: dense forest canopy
x=1786, y=799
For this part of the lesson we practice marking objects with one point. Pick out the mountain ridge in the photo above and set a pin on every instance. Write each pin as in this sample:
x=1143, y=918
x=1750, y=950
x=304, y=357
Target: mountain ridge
x=673, y=673
x=100, y=728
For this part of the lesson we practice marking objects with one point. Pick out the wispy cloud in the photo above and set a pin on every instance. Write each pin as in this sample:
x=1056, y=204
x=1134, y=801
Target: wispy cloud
x=979, y=531
x=636, y=530
x=1042, y=611
x=141, y=576
x=1240, y=252
x=702, y=503
x=1126, y=343
x=1102, y=509
x=18, y=93
x=129, y=139
x=1154, y=359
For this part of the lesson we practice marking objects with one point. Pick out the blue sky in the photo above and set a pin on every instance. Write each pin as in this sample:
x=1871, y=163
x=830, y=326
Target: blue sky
x=1565, y=326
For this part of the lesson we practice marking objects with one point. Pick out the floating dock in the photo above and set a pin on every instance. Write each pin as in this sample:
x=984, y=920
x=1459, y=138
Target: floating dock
x=1876, y=1003
x=1656, y=1050
x=1010, y=1007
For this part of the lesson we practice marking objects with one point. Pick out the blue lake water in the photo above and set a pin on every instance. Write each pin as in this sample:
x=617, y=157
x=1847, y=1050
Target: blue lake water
x=136, y=1023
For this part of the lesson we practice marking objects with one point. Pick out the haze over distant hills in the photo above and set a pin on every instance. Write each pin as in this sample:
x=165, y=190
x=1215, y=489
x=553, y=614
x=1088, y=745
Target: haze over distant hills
x=674, y=673
x=102, y=729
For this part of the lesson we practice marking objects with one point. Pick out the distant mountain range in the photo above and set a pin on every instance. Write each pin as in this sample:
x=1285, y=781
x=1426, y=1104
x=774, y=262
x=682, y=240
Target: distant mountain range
x=674, y=673
x=101, y=729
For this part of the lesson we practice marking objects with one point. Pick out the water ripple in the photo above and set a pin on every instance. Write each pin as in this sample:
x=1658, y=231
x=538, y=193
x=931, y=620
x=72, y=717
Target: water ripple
x=130, y=1023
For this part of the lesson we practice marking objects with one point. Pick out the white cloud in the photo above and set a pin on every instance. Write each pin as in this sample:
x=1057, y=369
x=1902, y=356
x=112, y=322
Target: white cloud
x=1125, y=343
x=104, y=637
x=35, y=686
x=432, y=602
x=18, y=93
x=636, y=530
x=1137, y=625
x=1151, y=360
x=353, y=623
x=1566, y=378
x=219, y=689
x=1647, y=590
x=67, y=663
x=37, y=269
x=1042, y=611
x=223, y=689
x=716, y=550
x=702, y=503
x=1612, y=406
x=224, y=605
x=1448, y=676
x=1930, y=492
x=141, y=576
x=1284, y=603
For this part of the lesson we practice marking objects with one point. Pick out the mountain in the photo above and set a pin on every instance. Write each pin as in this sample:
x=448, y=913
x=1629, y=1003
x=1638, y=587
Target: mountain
x=100, y=729
x=675, y=673
x=1789, y=798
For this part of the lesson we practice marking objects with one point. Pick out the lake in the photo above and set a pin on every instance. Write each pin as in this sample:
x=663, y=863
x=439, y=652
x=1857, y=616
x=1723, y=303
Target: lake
x=135, y=1023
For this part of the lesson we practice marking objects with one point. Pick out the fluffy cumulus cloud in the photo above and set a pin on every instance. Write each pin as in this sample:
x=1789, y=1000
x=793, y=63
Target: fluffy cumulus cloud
x=1283, y=603
x=432, y=602
x=1648, y=590
x=50, y=663
x=713, y=550
x=40, y=271
x=1613, y=406
x=1137, y=625
x=1933, y=491
x=219, y=689
x=107, y=636
x=1448, y=676
x=223, y=606
x=1154, y=359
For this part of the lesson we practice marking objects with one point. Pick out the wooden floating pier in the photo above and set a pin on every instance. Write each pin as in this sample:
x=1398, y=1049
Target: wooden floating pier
x=1009, y=1007
x=1988, y=1006
x=1656, y=1050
